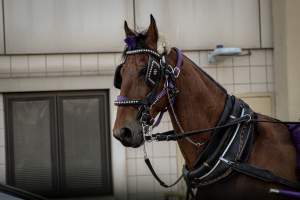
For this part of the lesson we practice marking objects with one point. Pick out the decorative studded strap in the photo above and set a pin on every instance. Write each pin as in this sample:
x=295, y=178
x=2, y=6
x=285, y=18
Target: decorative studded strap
x=137, y=51
x=125, y=101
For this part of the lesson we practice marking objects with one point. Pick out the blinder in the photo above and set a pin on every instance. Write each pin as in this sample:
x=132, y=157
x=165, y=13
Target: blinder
x=154, y=72
x=152, y=76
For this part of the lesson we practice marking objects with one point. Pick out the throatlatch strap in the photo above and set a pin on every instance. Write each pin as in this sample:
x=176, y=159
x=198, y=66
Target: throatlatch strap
x=148, y=163
x=262, y=174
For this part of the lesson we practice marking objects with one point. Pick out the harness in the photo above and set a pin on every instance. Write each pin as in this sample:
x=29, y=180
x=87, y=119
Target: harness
x=231, y=139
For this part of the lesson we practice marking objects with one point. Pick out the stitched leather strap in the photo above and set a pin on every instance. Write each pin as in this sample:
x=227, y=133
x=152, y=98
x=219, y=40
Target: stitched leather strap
x=262, y=174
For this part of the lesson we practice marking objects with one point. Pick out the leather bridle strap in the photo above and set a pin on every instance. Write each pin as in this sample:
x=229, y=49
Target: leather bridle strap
x=172, y=136
x=148, y=163
x=259, y=173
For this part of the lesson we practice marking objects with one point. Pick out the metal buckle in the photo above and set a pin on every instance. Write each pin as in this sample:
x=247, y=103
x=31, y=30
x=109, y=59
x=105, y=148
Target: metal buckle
x=176, y=71
x=229, y=162
x=250, y=118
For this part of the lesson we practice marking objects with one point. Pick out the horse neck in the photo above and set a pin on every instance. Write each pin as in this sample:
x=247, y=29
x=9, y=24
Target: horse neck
x=198, y=105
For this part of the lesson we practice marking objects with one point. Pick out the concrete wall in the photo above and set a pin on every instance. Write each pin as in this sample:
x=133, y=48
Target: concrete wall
x=286, y=56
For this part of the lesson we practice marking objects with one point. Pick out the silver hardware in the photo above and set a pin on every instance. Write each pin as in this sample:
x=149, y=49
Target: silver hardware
x=226, y=161
x=176, y=71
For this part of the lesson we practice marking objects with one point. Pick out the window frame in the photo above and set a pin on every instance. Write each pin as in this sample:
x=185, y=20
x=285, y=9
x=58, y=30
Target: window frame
x=56, y=138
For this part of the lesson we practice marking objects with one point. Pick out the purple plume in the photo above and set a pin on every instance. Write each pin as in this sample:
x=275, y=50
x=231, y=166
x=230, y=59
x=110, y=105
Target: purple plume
x=131, y=42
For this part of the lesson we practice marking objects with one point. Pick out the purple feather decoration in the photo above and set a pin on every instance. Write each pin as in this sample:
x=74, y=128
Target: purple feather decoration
x=131, y=42
x=295, y=134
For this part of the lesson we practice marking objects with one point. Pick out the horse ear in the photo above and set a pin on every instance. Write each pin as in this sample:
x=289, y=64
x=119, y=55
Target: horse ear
x=152, y=33
x=128, y=31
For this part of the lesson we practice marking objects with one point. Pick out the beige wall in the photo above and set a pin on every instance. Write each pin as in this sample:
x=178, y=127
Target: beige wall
x=286, y=58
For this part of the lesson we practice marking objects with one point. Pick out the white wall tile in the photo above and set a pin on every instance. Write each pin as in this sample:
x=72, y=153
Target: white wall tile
x=269, y=57
x=145, y=184
x=132, y=184
x=241, y=74
x=241, y=61
x=260, y=87
x=225, y=61
x=194, y=56
x=37, y=65
x=130, y=152
x=107, y=62
x=173, y=166
x=225, y=75
x=258, y=57
x=89, y=63
x=270, y=74
x=5, y=65
x=212, y=71
x=54, y=64
x=131, y=167
x=258, y=74
x=173, y=147
x=229, y=88
x=141, y=168
x=162, y=165
x=203, y=58
x=71, y=64
x=19, y=65
x=270, y=87
x=241, y=88
x=161, y=149
x=118, y=58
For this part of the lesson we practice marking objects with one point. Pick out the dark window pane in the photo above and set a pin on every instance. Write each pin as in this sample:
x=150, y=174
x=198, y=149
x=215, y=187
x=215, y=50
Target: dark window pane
x=85, y=159
x=32, y=153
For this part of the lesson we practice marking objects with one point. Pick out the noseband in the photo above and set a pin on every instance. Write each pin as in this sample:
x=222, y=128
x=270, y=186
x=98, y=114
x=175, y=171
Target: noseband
x=156, y=70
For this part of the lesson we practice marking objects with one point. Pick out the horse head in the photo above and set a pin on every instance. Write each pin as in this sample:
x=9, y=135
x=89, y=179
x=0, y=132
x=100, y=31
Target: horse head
x=139, y=78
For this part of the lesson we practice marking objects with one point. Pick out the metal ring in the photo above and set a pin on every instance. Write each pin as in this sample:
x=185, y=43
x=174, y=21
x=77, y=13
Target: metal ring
x=250, y=118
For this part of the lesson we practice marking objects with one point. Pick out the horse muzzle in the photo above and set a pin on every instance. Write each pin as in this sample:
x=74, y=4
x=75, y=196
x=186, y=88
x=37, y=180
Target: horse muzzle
x=130, y=135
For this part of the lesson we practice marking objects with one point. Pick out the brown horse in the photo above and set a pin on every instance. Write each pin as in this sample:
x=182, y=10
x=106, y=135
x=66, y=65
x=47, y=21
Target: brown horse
x=199, y=105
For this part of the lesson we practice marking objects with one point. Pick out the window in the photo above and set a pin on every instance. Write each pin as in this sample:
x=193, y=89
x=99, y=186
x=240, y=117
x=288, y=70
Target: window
x=58, y=143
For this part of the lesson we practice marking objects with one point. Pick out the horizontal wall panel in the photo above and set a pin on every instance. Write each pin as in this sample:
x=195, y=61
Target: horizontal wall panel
x=34, y=26
x=266, y=23
x=1, y=30
x=202, y=24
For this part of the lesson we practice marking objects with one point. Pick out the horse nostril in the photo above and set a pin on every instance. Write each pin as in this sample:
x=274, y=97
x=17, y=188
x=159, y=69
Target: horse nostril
x=125, y=133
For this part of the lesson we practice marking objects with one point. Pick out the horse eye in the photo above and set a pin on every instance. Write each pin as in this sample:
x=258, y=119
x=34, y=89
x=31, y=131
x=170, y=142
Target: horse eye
x=143, y=71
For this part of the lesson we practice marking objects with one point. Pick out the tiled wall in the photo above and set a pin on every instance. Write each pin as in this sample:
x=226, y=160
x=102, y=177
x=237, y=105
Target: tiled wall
x=240, y=74
x=58, y=65
x=245, y=74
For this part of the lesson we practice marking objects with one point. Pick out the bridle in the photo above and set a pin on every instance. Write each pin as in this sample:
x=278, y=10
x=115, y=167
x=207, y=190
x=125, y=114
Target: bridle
x=157, y=69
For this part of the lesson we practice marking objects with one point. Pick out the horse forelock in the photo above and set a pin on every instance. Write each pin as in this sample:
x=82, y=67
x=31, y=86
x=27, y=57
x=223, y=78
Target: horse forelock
x=138, y=42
